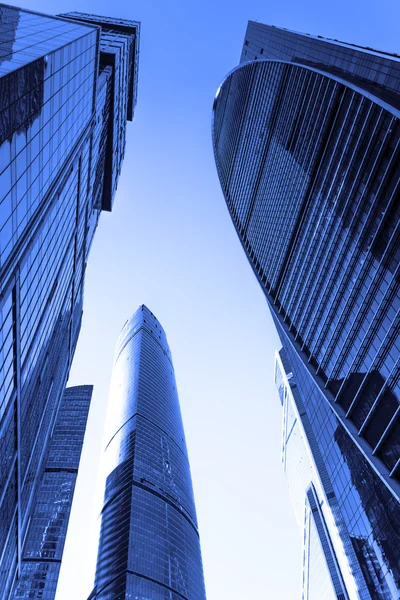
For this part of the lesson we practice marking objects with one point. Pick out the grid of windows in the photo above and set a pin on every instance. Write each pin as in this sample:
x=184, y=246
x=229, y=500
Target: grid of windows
x=47, y=531
x=317, y=584
x=53, y=100
x=322, y=225
x=119, y=47
x=366, y=514
x=311, y=183
x=329, y=563
x=57, y=123
x=267, y=41
x=149, y=540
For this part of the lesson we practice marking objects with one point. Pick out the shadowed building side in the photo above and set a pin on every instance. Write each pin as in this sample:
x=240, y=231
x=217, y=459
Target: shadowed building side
x=149, y=542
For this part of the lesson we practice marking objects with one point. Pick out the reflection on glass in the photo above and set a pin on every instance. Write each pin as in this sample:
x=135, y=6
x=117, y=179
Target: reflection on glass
x=149, y=541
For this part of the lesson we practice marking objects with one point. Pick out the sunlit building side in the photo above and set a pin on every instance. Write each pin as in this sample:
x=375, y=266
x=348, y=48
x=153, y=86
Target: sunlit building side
x=326, y=568
x=67, y=89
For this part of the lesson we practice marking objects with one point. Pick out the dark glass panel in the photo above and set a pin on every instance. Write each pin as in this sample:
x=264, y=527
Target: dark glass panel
x=348, y=389
x=367, y=397
x=383, y=413
x=389, y=452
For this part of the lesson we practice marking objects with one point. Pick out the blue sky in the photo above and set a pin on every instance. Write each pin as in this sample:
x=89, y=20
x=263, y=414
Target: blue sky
x=170, y=244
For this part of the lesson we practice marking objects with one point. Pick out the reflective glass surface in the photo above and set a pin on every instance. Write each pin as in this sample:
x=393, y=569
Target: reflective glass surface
x=308, y=161
x=26, y=36
x=317, y=583
x=56, y=115
x=310, y=170
x=326, y=569
x=48, y=528
x=366, y=514
x=119, y=47
x=382, y=69
x=149, y=542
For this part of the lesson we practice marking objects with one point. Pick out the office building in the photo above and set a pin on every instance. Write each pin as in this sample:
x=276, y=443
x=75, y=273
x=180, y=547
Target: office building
x=306, y=138
x=67, y=88
x=149, y=541
x=43, y=549
x=325, y=565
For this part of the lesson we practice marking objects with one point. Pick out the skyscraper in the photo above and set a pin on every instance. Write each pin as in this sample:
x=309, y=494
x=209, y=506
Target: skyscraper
x=43, y=549
x=66, y=90
x=307, y=145
x=149, y=542
x=326, y=573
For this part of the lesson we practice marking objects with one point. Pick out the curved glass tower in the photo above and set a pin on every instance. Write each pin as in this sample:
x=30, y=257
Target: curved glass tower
x=149, y=541
x=308, y=154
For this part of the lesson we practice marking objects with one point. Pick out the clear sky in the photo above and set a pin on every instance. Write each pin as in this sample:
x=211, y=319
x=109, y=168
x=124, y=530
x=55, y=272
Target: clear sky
x=170, y=244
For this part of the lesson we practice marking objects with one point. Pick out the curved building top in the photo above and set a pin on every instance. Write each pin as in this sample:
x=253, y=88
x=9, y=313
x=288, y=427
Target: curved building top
x=149, y=543
x=309, y=166
x=143, y=380
x=143, y=318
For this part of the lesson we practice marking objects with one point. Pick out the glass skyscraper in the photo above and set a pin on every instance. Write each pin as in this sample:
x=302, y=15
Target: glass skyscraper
x=149, y=541
x=306, y=138
x=67, y=88
x=42, y=553
x=324, y=558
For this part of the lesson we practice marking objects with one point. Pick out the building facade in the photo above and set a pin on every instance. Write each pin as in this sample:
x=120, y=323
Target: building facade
x=61, y=132
x=43, y=549
x=306, y=138
x=326, y=570
x=149, y=541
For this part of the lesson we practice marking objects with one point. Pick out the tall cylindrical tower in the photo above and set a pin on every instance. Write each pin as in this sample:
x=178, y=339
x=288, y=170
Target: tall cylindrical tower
x=149, y=541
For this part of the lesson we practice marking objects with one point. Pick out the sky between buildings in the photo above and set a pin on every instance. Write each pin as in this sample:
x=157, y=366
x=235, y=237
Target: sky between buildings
x=170, y=244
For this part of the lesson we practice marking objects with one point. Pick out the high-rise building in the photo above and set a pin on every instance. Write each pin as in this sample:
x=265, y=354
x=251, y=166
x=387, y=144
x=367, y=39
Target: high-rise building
x=325, y=564
x=67, y=88
x=306, y=137
x=149, y=541
x=43, y=549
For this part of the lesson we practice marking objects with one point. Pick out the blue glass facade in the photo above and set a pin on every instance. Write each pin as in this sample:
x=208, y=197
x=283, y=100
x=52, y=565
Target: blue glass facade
x=307, y=146
x=326, y=569
x=369, y=67
x=366, y=512
x=43, y=549
x=119, y=62
x=149, y=542
x=56, y=122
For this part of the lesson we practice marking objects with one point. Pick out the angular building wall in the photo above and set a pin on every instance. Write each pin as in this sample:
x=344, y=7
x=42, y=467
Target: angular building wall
x=367, y=66
x=149, y=542
x=55, y=123
x=308, y=160
x=43, y=549
x=119, y=64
